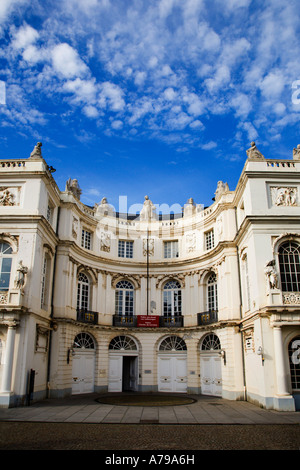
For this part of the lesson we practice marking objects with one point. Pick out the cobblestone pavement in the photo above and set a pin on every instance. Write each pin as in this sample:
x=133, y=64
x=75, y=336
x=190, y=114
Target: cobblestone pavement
x=82, y=423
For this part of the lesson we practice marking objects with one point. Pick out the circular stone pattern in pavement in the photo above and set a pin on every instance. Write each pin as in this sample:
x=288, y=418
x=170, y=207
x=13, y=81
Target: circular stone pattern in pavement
x=145, y=400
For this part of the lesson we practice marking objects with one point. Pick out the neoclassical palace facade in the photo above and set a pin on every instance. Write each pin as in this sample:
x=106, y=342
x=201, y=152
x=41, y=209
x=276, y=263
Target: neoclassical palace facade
x=205, y=301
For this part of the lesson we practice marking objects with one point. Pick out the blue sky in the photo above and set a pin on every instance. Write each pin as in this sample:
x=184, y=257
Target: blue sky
x=149, y=97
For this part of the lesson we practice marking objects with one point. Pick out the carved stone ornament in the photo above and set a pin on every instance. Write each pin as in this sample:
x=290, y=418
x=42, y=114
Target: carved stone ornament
x=254, y=153
x=148, y=210
x=3, y=297
x=271, y=275
x=20, y=277
x=190, y=242
x=150, y=247
x=72, y=186
x=291, y=298
x=6, y=197
x=296, y=153
x=105, y=241
x=221, y=189
x=284, y=196
x=37, y=151
x=75, y=224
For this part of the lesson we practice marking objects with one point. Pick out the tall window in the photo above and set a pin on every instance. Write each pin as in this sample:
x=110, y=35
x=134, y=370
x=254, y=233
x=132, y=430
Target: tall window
x=5, y=265
x=83, y=292
x=171, y=249
x=45, y=282
x=172, y=299
x=86, y=239
x=209, y=240
x=289, y=265
x=212, y=293
x=125, y=249
x=247, y=283
x=124, y=298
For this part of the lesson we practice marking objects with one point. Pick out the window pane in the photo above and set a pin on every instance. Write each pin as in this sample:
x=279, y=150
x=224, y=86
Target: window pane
x=289, y=264
x=4, y=280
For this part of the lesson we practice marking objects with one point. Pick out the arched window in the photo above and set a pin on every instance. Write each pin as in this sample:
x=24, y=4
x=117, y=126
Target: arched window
x=83, y=292
x=84, y=341
x=172, y=299
x=172, y=343
x=212, y=293
x=210, y=342
x=289, y=265
x=124, y=298
x=122, y=343
x=5, y=265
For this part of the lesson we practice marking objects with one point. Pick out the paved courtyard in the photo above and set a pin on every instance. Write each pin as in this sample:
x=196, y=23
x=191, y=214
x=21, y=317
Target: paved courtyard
x=204, y=410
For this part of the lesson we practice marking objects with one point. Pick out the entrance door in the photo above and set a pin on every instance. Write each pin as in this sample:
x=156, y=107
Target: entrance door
x=211, y=375
x=172, y=375
x=83, y=372
x=123, y=373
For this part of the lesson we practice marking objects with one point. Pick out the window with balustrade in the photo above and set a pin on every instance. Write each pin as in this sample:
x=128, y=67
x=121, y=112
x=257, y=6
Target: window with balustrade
x=172, y=299
x=124, y=301
x=83, y=292
x=5, y=265
x=289, y=266
x=212, y=293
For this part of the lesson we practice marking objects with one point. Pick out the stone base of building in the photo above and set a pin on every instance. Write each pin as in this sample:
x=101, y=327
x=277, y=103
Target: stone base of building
x=277, y=403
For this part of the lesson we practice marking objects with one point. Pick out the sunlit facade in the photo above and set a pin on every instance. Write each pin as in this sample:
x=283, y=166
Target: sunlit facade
x=206, y=301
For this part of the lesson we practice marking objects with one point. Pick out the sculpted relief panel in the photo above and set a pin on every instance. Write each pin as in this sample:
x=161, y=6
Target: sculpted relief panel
x=9, y=196
x=284, y=196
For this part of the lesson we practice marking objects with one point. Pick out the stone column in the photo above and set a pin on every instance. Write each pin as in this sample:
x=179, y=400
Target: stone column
x=279, y=362
x=9, y=356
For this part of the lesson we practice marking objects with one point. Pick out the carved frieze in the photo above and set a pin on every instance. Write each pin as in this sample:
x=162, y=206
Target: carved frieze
x=9, y=196
x=291, y=298
x=284, y=196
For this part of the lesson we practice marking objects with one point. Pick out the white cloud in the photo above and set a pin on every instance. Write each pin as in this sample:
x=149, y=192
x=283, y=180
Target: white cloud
x=242, y=104
x=221, y=79
x=24, y=37
x=111, y=96
x=272, y=85
x=117, y=124
x=170, y=94
x=67, y=62
x=8, y=6
x=83, y=90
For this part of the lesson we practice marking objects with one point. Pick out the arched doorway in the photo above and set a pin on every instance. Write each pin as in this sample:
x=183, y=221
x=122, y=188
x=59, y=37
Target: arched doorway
x=83, y=364
x=294, y=361
x=172, y=368
x=210, y=365
x=123, y=364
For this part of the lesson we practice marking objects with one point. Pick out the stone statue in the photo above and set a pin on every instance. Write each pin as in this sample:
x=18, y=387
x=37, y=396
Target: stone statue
x=104, y=208
x=296, y=153
x=253, y=152
x=271, y=274
x=73, y=187
x=189, y=208
x=20, y=277
x=37, y=151
x=221, y=189
x=147, y=212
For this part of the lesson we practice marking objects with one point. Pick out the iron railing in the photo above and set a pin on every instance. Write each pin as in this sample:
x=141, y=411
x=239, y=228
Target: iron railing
x=87, y=316
x=125, y=320
x=205, y=318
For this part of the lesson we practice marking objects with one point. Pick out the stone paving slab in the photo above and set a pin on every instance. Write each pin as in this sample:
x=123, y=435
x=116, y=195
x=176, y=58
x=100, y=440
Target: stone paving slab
x=205, y=410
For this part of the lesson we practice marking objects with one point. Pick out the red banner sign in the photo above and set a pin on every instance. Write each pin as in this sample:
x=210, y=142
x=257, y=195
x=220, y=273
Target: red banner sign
x=151, y=321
